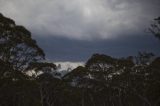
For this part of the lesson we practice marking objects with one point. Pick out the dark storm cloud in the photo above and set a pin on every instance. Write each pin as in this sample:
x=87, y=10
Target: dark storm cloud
x=82, y=19
x=75, y=29
x=62, y=49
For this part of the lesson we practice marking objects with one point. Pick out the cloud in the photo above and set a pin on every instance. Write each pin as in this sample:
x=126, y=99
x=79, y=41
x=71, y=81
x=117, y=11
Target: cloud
x=82, y=19
x=62, y=49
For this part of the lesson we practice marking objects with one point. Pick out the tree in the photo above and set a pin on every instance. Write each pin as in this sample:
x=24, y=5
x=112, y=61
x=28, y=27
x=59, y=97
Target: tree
x=43, y=67
x=17, y=51
x=155, y=28
x=107, y=81
x=16, y=45
x=103, y=81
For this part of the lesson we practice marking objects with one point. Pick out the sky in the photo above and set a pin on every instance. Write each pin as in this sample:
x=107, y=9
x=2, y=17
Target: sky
x=73, y=30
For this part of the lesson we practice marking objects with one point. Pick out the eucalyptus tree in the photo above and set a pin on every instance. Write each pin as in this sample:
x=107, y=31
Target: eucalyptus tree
x=155, y=27
x=17, y=48
x=17, y=51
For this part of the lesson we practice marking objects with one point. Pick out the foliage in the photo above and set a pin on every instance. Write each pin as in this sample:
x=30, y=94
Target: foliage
x=16, y=45
x=103, y=81
x=155, y=28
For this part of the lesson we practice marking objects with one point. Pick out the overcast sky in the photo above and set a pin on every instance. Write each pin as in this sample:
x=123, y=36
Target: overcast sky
x=72, y=30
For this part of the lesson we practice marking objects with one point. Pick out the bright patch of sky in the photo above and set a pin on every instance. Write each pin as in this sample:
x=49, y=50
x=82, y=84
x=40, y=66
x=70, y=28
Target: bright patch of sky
x=82, y=19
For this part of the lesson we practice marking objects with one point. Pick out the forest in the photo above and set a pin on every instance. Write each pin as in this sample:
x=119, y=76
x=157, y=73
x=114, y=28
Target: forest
x=26, y=79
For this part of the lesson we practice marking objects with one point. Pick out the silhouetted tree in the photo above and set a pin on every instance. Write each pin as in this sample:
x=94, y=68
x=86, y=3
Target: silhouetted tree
x=16, y=45
x=25, y=80
x=155, y=27
x=17, y=51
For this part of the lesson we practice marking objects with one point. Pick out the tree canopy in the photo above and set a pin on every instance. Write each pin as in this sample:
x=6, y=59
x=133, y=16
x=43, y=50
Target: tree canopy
x=155, y=27
x=102, y=81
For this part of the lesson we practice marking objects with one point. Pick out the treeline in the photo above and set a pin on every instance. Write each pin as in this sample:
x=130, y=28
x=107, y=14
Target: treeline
x=26, y=80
